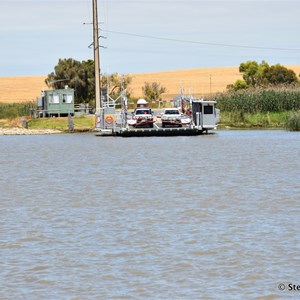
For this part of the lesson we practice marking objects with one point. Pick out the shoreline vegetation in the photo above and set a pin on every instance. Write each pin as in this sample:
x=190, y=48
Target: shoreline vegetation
x=272, y=108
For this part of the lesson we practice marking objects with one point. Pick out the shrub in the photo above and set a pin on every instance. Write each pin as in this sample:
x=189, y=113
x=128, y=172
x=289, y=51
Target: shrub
x=293, y=121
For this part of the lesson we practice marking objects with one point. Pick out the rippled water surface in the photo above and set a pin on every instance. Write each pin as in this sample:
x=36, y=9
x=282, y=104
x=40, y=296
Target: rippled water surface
x=207, y=217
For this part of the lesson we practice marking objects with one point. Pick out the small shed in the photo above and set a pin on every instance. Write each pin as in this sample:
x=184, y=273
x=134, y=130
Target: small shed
x=56, y=103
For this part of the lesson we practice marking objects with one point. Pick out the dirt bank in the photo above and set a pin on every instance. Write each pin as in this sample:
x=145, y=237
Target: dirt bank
x=24, y=131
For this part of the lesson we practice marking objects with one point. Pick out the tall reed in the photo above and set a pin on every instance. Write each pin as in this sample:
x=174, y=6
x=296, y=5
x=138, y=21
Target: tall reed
x=15, y=110
x=260, y=100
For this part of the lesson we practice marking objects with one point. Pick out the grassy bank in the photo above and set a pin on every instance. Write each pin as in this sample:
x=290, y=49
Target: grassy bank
x=81, y=123
x=239, y=119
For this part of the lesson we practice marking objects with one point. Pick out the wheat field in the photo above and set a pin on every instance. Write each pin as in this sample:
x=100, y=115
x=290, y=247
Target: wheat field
x=199, y=82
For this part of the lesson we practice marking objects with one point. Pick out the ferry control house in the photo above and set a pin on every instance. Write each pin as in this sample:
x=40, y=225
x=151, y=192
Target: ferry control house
x=56, y=103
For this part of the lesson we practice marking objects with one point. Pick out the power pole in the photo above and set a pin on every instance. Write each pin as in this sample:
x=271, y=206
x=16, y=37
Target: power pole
x=96, y=59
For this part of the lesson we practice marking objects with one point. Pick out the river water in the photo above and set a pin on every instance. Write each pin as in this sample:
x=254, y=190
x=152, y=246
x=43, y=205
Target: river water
x=206, y=217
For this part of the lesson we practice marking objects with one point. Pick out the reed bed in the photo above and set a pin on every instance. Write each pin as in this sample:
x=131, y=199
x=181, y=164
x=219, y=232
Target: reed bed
x=260, y=100
x=15, y=110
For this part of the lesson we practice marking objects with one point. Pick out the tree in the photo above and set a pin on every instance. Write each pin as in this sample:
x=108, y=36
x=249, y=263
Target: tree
x=81, y=77
x=253, y=73
x=77, y=75
x=256, y=75
x=152, y=91
x=278, y=74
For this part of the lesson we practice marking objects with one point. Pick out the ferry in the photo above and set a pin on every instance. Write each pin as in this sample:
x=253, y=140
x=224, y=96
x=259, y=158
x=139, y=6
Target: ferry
x=188, y=116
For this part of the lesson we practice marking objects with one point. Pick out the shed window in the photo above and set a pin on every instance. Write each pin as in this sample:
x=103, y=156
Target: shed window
x=53, y=99
x=67, y=98
x=208, y=110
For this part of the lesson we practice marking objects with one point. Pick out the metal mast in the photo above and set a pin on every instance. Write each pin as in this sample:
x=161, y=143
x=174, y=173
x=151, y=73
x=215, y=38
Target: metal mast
x=96, y=58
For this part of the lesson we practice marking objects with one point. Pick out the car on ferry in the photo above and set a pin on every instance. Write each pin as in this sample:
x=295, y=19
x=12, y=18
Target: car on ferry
x=142, y=115
x=171, y=117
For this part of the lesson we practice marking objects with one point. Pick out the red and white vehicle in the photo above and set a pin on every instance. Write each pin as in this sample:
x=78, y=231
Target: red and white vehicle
x=173, y=117
x=142, y=115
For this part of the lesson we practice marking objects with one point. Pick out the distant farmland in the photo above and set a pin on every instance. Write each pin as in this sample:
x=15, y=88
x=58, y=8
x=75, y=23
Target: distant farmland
x=199, y=82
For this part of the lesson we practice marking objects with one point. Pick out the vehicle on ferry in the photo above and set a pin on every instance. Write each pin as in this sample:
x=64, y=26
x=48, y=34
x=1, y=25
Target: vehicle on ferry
x=173, y=117
x=142, y=115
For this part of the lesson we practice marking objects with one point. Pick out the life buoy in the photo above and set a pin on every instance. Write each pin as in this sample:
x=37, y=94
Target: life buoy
x=109, y=119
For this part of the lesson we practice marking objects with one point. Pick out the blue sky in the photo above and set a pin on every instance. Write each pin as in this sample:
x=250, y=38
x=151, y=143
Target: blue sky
x=147, y=35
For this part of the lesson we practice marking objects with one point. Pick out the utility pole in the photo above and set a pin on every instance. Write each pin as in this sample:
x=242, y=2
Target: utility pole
x=96, y=59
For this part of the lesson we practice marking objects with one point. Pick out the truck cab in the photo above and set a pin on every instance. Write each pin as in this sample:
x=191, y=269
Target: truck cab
x=171, y=117
x=142, y=115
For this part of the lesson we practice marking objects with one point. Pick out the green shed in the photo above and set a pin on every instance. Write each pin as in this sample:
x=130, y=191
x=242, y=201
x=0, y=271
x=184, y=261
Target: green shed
x=56, y=103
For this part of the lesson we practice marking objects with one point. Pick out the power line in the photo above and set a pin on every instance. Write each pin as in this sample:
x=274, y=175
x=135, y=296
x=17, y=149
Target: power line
x=201, y=43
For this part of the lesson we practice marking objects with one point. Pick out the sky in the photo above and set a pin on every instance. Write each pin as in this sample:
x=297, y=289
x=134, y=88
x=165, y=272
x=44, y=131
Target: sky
x=147, y=35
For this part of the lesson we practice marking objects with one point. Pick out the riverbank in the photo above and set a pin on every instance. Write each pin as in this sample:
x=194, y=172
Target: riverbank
x=45, y=125
x=24, y=131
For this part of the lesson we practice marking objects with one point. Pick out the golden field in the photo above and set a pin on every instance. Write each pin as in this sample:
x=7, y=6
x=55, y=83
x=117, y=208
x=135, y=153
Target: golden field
x=199, y=82
x=21, y=88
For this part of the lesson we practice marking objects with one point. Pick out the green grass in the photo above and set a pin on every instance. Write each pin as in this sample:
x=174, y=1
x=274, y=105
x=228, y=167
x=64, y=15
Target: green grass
x=239, y=119
x=81, y=123
x=84, y=123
